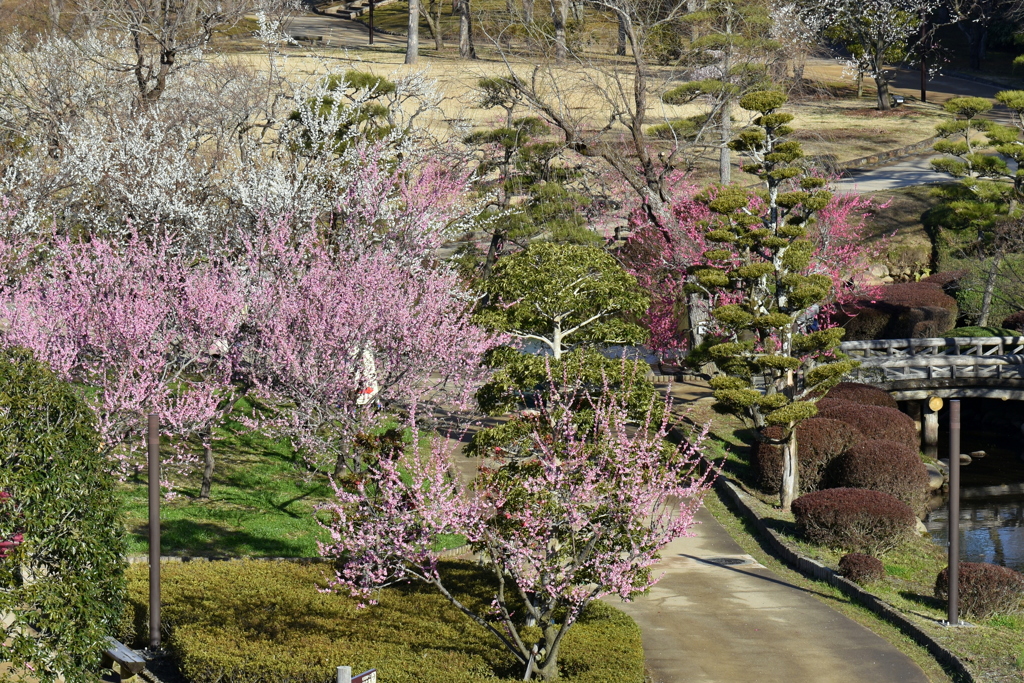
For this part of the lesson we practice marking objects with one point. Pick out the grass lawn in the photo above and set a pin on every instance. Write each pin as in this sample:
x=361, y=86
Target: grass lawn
x=993, y=651
x=261, y=504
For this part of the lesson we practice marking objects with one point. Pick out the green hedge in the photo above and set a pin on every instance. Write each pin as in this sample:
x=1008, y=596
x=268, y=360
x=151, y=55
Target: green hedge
x=264, y=621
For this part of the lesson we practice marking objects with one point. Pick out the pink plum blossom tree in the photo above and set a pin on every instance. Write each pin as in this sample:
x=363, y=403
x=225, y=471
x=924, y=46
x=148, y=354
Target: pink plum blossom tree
x=581, y=514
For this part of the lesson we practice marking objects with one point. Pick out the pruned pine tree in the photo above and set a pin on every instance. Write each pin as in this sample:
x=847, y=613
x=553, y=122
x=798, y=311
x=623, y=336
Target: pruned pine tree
x=771, y=362
x=730, y=47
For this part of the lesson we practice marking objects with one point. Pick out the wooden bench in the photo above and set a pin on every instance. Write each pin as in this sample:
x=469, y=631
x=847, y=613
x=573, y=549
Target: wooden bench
x=124, y=661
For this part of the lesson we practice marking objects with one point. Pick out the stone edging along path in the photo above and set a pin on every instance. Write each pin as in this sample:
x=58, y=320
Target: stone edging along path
x=816, y=570
x=883, y=158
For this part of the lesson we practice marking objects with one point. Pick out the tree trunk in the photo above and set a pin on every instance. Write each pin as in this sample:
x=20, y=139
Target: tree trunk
x=466, y=49
x=548, y=671
x=412, y=45
x=527, y=12
x=725, y=158
x=204, y=490
x=860, y=84
x=990, y=286
x=790, y=473
x=559, y=17
x=882, y=86
x=620, y=49
x=434, y=26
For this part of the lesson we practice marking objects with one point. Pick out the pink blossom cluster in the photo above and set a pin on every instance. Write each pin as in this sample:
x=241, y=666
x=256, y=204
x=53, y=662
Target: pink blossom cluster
x=583, y=516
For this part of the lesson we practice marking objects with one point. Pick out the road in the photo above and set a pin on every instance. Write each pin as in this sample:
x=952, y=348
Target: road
x=339, y=32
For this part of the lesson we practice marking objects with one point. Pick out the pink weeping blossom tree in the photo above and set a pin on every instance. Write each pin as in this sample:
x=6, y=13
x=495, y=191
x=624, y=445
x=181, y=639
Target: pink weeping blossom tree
x=137, y=328
x=338, y=338
x=583, y=514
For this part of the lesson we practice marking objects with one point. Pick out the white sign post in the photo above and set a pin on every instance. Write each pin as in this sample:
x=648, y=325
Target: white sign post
x=345, y=676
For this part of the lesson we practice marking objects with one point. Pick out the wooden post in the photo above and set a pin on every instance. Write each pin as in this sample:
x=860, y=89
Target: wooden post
x=930, y=433
x=154, y=531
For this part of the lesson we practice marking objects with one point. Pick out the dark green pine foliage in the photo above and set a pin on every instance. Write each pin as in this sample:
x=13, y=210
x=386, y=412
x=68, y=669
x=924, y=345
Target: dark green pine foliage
x=571, y=301
x=64, y=584
x=759, y=260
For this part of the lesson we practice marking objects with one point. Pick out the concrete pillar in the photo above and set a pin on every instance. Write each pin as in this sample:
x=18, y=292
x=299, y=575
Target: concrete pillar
x=914, y=409
x=930, y=432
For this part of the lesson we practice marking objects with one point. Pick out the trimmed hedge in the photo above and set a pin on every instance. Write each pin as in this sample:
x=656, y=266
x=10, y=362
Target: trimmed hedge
x=985, y=589
x=819, y=442
x=886, y=466
x=899, y=311
x=864, y=394
x=861, y=568
x=1014, y=322
x=265, y=622
x=874, y=422
x=856, y=520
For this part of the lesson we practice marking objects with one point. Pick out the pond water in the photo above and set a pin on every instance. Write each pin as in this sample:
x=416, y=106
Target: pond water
x=992, y=488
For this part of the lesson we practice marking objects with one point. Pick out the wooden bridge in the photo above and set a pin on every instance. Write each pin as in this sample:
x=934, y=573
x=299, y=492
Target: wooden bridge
x=951, y=367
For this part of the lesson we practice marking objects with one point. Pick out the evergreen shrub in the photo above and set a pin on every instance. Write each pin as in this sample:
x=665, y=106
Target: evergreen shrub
x=1014, y=322
x=258, y=621
x=855, y=520
x=874, y=422
x=865, y=394
x=63, y=584
x=861, y=568
x=885, y=466
x=984, y=589
x=819, y=442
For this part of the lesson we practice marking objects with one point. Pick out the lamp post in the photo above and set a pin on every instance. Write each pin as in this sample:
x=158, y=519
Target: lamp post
x=153, y=443
x=954, y=512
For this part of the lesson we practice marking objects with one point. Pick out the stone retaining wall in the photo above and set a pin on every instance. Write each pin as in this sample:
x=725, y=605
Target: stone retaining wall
x=882, y=158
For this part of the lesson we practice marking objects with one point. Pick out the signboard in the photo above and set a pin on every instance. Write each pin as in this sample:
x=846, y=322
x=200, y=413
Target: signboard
x=366, y=677
x=367, y=392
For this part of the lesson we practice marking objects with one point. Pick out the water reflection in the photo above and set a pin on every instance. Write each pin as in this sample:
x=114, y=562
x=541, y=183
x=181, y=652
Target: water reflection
x=992, y=487
x=991, y=530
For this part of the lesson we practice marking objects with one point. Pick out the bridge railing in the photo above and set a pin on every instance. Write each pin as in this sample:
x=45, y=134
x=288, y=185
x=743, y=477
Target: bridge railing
x=952, y=358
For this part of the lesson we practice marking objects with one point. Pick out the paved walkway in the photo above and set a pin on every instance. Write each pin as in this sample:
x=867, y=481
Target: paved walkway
x=740, y=623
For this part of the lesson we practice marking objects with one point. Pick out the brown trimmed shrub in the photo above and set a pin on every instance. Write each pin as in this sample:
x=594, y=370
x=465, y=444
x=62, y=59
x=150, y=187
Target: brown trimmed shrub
x=885, y=466
x=856, y=520
x=944, y=280
x=874, y=422
x=819, y=442
x=985, y=589
x=865, y=394
x=861, y=568
x=1014, y=322
x=907, y=309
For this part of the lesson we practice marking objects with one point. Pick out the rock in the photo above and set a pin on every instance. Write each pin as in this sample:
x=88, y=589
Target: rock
x=965, y=459
x=935, y=477
x=878, y=270
x=978, y=454
x=921, y=528
x=886, y=280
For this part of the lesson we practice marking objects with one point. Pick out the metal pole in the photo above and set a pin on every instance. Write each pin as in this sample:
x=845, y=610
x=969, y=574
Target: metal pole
x=954, y=511
x=924, y=70
x=153, y=442
x=371, y=22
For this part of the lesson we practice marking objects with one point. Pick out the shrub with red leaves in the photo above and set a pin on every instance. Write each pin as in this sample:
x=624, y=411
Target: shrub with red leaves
x=1014, y=322
x=856, y=520
x=861, y=568
x=985, y=589
x=903, y=310
x=885, y=466
x=944, y=280
x=819, y=442
x=865, y=394
x=874, y=422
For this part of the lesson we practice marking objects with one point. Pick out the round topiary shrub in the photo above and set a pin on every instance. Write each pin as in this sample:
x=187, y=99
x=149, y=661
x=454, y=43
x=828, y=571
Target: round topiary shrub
x=903, y=310
x=819, y=442
x=874, y=422
x=856, y=520
x=861, y=568
x=864, y=394
x=985, y=589
x=63, y=584
x=1014, y=322
x=885, y=466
